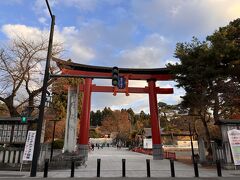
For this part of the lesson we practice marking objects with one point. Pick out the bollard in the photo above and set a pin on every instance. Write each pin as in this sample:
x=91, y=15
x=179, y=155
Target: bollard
x=219, y=169
x=172, y=167
x=98, y=167
x=123, y=167
x=45, y=174
x=72, y=168
x=195, y=165
x=148, y=167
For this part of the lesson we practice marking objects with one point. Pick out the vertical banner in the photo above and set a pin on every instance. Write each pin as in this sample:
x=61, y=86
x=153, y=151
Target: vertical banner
x=29, y=146
x=234, y=140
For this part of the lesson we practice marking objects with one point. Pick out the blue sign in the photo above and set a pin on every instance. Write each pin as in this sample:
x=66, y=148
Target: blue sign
x=121, y=82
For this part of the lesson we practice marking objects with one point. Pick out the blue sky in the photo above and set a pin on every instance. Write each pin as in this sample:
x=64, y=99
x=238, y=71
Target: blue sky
x=124, y=33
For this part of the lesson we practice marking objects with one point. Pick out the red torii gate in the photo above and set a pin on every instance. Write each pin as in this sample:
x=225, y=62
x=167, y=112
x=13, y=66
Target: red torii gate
x=70, y=69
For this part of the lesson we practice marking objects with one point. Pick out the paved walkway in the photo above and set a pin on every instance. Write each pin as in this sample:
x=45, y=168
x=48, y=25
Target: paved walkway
x=111, y=166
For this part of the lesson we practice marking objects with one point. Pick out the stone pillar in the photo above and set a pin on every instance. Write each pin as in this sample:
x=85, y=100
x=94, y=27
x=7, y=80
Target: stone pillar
x=83, y=136
x=156, y=136
x=201, y=150
x=71, y=120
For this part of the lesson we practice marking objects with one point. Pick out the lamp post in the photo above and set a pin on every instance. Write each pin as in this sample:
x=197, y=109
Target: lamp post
x=53, y=135
x=190, y=134
x=37, y=146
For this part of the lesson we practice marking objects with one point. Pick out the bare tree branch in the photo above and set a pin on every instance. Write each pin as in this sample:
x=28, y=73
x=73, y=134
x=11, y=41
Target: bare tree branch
x=20, y=70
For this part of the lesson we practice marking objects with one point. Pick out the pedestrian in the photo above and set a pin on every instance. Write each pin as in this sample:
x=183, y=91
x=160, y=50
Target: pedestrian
x=89, y=147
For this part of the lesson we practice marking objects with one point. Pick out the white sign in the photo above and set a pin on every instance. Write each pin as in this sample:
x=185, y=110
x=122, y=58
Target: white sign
x=29, y=146
x=147, y=143
x=187, y=144
x=234, y=140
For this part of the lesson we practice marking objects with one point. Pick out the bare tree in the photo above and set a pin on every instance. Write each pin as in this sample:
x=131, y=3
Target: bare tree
x=21, y=67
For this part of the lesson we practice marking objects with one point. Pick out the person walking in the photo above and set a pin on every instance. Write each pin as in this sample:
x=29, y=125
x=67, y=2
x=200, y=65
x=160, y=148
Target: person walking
x=92, y=145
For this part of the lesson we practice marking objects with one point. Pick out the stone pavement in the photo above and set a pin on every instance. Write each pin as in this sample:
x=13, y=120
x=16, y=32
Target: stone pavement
x=111, y=167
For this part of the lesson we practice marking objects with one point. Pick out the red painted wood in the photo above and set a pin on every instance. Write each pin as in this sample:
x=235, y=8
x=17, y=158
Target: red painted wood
x=156, y=137
x=85, y=115
x=89, y=110
x=130, y=89
x=162, y=77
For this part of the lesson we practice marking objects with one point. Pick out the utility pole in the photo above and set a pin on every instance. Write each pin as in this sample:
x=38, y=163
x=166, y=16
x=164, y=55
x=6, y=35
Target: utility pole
x=37, y=146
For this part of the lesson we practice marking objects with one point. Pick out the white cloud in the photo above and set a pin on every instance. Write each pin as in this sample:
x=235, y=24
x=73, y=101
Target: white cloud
x=137, y=102
x=81, y=53
x=140, y=57
x=79, y=49
x=75, y=48
x=155, y=40
x=170, y=98
x=185, y=17
x=149, y=54
x=84, y=5
x=11, y=2
x=42, y=20
x=13, y=30
x=137, y=83
x=40, y=7
x=99, y=101
x=174, y=98
x=89, y=5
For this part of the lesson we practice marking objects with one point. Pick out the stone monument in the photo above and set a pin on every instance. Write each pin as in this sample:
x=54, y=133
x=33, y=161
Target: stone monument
x=71, y=120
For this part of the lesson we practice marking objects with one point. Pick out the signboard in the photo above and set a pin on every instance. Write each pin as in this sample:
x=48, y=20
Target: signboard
x=147, y=143
x=187, y=144
x=29, y=146
x=121, y=82
x=234, y=140
x=13, y=133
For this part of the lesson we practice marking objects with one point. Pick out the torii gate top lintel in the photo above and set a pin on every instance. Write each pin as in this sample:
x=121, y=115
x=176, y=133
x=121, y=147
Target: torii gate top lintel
x=70, y=68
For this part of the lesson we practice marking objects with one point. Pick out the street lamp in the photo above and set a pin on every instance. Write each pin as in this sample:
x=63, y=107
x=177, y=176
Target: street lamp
x=53, y=135
x=190, y=135
x=37, y=146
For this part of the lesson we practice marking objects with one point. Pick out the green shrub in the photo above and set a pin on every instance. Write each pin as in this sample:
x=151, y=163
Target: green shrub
x=58, y=144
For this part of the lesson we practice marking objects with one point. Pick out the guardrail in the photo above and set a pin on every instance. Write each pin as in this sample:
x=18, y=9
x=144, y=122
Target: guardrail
x=167, y=155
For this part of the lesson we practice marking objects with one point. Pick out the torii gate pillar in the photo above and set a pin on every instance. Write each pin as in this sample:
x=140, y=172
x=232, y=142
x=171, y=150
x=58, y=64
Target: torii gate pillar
x=83, y=137
x=156, y=136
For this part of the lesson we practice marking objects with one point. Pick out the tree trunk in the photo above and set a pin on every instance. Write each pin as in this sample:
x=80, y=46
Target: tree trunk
x=216, y=108
x=208, y=138
x=31, y=104
x=12, y=110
